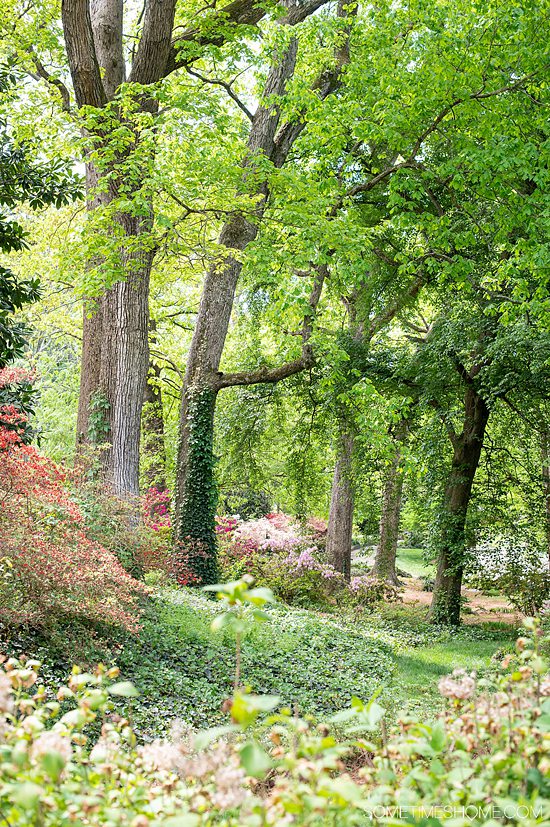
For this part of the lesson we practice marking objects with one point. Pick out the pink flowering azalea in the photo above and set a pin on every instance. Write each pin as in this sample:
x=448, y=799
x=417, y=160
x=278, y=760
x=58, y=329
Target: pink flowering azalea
x=300, y=562
x=266, y=536
x=156, y=508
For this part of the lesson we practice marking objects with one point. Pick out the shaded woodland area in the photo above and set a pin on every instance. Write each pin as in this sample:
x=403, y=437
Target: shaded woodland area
x=274, y=292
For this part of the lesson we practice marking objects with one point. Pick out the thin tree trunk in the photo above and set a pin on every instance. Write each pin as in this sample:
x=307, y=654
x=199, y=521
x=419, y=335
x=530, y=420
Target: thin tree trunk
x=154, y=449
x=384, y=561
x=445, y=607
x=340, y=522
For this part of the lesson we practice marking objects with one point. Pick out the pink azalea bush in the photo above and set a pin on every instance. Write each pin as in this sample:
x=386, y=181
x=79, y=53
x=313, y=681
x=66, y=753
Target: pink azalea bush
x=155, y=506
x=290, y=560
x=270, y=533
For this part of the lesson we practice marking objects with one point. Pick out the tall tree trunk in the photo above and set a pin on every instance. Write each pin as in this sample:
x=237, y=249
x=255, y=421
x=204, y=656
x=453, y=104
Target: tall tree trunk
x=194, y=485
x=384, y=561
x=340, y=522
x=115, y=353
x=194, y=490
x=445, y=607
x=115, y=360
x=131, y=347
x=154, y=449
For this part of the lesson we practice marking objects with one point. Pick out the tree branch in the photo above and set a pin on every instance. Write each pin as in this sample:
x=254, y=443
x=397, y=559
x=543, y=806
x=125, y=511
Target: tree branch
x=155, y=44
x=452, y=434
x=228, y=89
x=327, y=82
x=81, y=54
x=267, y=375
x=236, y=13
x=385, y=316
x=43, y=74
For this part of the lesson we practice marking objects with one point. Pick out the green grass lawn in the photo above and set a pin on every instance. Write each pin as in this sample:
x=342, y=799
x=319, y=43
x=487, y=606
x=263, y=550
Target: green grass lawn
x=411, y=560
x=423, y=653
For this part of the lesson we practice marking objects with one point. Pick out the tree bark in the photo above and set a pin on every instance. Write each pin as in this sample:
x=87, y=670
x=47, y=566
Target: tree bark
x=154, y=449
x=384, y=561
x=445, y=606
x=340, y=522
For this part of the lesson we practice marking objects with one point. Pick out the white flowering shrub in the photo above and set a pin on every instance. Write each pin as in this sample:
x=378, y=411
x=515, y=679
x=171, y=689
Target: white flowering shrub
x=518, y=570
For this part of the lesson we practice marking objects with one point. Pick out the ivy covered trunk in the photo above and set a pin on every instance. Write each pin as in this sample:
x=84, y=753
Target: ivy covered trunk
x=196, y=510
x=445, y=607
x=195, y=502
x=384, y=561
x=340, y=521
x=194, y=487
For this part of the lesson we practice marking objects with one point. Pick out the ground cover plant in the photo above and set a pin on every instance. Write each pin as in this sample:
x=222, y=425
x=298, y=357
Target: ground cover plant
x=53, y=773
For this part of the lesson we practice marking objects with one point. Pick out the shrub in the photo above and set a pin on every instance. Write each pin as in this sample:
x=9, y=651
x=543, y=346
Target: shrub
x=368, y=591
x=519, y=571
x=428, y=583
x=51, y=567
x=301, y=578
x=155, y=508
x=141, y=546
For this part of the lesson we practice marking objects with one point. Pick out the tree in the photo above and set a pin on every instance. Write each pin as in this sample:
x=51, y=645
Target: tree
x=269, y=143
x=25, y=176
x=386, y=551
x=115, y=327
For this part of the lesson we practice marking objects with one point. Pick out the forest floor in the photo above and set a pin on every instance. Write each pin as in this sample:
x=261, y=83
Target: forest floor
x=489, y=629
x=315, y=661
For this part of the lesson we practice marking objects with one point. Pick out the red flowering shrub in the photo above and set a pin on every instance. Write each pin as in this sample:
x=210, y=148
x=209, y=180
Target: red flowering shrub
x=155, y=506
x=50, y=566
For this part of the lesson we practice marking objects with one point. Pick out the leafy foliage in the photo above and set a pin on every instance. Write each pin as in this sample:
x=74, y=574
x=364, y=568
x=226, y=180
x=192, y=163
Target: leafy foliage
x=51, y=567
x=52, y=771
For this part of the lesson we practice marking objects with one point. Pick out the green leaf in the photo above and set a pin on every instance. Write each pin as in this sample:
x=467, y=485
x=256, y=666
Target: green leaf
x=26, y=794
x=188, y=820
x=439, y=738
x=254, y=759
x=74, y=718
x=246, y=708
x=209, y=736
x=53, y=762
x=124, y=689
